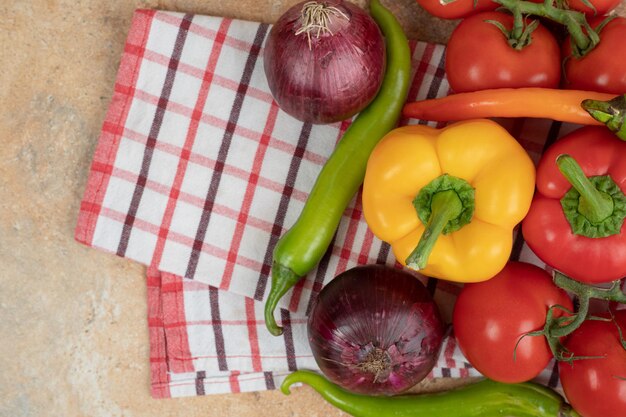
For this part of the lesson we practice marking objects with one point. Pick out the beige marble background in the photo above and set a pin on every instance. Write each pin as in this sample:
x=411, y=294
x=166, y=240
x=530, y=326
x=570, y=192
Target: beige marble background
x=73, y=332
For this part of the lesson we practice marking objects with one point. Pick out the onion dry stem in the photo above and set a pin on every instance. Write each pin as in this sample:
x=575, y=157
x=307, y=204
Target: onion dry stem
x=316, y=17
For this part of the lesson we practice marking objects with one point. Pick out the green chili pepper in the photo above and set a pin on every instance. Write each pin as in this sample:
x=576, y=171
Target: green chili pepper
x=302, y=247
x=485, y=398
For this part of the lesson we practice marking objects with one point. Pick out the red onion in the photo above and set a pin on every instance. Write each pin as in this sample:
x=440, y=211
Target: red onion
x=375, y=330
x=324, y=61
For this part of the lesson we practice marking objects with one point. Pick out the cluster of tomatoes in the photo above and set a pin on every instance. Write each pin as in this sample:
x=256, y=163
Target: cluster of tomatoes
x=490, y=316
x=479, y=55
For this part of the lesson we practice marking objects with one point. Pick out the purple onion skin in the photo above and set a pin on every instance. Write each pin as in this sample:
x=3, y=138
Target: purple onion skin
x=375, y=330
x=337, y=77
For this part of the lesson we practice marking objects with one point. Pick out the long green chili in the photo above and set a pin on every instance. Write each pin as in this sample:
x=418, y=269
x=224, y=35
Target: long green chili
x=485, y=398
x=303, y=246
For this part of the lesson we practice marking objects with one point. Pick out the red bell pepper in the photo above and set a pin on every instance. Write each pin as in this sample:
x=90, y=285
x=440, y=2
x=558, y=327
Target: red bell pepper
x=576, y=220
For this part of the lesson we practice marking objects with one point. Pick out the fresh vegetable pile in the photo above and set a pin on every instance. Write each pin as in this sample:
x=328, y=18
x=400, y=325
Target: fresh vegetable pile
x=449, y=200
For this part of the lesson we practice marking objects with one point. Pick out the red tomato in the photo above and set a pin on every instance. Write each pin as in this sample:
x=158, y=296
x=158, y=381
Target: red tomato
x=601, y=7
x=603, y=68
x=479, y=57
x=597, y=387
x=490, y=317
x=457, y=8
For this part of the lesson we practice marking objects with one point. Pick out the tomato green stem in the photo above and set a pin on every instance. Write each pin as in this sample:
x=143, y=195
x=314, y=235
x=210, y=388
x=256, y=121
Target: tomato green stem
x=584, y=37
x=482, y=398
x=557, y=328
x=584, y=298
x=518, y=22
x=594, y=204
x=612, y=113
x=445, y=206
x=584, y=293
x=520, y=36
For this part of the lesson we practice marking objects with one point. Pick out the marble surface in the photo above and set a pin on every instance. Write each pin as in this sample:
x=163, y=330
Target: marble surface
x=65, y=307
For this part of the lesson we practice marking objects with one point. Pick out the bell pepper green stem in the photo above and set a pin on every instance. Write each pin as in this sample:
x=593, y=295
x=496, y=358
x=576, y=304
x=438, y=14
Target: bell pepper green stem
x=445, y=206
x=612, y=113
x=584, y=37
x=482, y=398
x=594, y=204
x=305, y=243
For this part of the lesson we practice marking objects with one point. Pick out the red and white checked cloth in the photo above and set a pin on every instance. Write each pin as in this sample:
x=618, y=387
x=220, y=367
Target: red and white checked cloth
x=197, y=174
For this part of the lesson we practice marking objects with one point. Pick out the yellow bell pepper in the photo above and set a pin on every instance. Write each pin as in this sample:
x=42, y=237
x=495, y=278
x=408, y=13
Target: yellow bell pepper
x=447, y=200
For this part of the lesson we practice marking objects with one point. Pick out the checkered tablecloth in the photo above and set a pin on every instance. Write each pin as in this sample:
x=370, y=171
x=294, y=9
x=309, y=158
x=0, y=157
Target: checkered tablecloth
x=198, y=173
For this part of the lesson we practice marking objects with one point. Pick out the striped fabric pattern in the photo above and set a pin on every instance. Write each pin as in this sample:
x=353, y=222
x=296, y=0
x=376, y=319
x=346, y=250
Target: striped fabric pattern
x=197, y=174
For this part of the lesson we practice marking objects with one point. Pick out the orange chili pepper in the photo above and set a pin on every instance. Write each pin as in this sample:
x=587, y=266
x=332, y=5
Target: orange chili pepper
x=545, y=103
